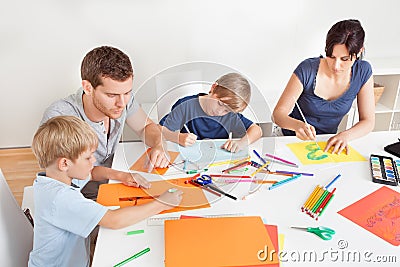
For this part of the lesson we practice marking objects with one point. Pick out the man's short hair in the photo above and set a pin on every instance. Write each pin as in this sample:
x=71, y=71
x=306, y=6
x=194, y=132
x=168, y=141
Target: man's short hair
x=106, y=62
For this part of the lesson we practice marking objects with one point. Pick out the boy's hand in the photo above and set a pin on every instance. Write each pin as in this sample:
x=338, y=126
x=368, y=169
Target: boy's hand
x=170, y=198
x=133, y=179
x=233, y=145
x=187, y=139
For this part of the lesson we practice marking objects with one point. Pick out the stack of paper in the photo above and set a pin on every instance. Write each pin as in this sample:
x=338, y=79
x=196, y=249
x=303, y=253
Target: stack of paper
x=225, y=241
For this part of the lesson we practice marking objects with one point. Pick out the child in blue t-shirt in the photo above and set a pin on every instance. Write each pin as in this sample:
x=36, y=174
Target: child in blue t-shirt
x=64, y=218
x=213, y=116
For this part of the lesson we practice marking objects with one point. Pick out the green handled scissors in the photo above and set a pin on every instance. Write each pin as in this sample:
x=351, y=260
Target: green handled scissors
x=323, y=232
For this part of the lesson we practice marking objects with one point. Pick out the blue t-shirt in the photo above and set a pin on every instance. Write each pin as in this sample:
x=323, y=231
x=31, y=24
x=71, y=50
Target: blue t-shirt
x=63, y=221
x=188, y=111
x=326, y=115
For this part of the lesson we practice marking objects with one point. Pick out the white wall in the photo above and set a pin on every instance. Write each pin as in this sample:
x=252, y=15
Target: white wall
x=43, y=43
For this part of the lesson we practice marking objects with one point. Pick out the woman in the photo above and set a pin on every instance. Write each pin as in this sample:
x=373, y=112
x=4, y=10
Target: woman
x=325, y=88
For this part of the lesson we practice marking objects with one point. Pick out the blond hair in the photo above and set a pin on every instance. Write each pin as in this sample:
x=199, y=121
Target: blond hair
x=237, y=88
x=62, y=137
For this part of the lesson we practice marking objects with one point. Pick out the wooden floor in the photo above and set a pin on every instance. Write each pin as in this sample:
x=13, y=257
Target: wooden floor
x=19, y=167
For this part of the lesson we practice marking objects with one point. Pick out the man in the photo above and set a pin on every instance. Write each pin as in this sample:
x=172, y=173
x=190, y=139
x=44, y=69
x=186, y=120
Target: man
x=105, y=101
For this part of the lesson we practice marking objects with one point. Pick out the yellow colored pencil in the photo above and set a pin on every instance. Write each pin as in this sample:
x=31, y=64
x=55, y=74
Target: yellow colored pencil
x=317, y=196
x=310, y=197
x=236, y=161
x=259, y=169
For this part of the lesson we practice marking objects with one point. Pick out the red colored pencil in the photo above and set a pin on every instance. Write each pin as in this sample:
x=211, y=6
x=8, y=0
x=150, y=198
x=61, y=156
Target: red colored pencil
x=323, y=204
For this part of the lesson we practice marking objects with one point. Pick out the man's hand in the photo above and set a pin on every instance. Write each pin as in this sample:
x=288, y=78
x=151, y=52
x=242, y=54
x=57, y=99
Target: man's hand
x=157, y=157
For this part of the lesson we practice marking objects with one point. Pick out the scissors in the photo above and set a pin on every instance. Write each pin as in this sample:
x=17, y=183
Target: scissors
x=324, y=233
x=205, y=181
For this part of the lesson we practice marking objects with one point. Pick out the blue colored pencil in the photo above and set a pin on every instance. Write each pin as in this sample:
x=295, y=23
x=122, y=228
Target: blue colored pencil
x=334, y=180
x=258, y=155
x=284, y=181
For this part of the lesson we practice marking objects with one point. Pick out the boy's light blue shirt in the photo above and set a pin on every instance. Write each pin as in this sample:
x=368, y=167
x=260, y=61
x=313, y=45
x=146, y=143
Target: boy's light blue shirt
x=63, y=222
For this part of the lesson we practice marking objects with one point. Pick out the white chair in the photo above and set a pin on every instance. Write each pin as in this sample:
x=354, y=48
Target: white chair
x=27, y=200
x=15, y=230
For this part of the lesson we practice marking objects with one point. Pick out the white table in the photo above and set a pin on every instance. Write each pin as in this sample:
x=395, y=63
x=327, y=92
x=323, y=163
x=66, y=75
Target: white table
x=280, y=206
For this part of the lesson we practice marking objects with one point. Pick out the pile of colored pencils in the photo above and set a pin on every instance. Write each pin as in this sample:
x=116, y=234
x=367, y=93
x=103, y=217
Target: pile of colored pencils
x=319, y=199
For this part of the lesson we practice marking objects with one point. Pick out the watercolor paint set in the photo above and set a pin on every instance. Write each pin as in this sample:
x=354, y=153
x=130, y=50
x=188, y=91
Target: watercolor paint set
x=385, y=170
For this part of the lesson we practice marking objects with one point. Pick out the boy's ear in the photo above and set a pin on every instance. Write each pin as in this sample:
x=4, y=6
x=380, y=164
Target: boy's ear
x=87, y=87
x=212, y=88
x=63, y=164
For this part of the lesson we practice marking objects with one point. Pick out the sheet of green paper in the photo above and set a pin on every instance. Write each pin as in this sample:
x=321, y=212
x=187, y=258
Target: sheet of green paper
x=309, y=153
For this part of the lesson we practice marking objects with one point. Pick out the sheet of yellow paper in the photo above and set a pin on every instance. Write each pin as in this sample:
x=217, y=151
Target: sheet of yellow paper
x=309, y=153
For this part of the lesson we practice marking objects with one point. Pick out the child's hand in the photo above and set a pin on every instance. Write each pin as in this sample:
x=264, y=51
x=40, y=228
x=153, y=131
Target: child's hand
x=170, y=198
x=187, y=139
x=133, y=179
x=233, y=145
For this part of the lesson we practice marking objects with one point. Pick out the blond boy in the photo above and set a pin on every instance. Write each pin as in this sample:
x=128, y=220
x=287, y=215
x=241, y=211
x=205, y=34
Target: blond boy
x=64, y=146
x=214, y=115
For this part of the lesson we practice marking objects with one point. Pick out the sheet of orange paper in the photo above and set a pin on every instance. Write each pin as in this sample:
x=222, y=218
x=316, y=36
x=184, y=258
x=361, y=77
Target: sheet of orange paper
x=225, y=241
x=379, y=213
x=140, y=164
x=267, y=252
x=123, y=196
x=310, y=153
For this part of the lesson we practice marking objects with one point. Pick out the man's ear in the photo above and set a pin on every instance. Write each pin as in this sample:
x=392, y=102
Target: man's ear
x=87, y=87
x=63, y=164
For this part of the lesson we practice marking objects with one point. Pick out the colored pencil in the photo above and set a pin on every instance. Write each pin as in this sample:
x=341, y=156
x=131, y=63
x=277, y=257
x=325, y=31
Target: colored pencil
x=295, y=173
x=319, y=201
x=230, y=176
x=334, y=180
x=284, y=181
x=310, y=197
x=282, y=160
x=326, y=204
x=259, y=169
x=144, y=251
x=315, y=199
x=244, y=163
x=258, y=156
x=325, y=201
x=230, y=161
x=225, y=180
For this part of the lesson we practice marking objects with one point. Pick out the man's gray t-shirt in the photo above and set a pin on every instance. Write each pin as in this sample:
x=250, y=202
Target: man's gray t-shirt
x=73, y=105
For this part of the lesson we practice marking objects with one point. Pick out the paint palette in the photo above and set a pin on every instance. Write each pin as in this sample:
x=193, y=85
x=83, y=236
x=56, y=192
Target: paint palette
x=385, y=170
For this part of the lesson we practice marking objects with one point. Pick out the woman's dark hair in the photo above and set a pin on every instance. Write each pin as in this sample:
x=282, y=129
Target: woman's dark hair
x=348, y=32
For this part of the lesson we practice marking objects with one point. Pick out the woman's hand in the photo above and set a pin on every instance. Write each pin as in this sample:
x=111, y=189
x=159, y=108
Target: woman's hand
x=338, y=143
x=305, y=131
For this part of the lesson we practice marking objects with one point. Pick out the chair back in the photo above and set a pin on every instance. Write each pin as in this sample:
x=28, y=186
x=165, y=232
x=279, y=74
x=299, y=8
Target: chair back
x=16, y=232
